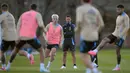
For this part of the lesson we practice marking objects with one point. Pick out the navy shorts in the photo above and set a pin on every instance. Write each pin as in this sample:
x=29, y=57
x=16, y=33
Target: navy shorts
x=86, y=46
x=119, y=42
x=69, y=44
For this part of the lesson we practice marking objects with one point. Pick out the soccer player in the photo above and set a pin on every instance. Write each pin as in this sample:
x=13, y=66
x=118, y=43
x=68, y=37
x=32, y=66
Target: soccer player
x=9, y=35
x=54, y=37
x=88, y=22
x=118, y=36
x=26, y=28
x=69, y=41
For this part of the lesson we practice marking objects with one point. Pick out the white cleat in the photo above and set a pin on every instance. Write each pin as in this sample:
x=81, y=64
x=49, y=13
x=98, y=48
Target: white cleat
x=75, y=67
x=95, y=65
x=116, y=69
x=44, y=70
x=63, y=67
x=48, y=69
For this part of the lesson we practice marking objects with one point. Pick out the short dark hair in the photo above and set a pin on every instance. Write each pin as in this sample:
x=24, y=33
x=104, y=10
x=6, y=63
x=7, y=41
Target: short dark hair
x=33, y=6
x=120, y=6
x=87, y=1
x=4, y=6
x=68, y=16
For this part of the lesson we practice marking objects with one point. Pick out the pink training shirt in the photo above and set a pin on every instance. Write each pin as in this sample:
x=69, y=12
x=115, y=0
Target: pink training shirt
x=28, y=24
x=54, y=35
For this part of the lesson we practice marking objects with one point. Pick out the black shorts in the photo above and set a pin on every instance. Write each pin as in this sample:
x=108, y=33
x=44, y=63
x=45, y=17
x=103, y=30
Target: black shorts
x=117, y=42
x=35, y=43
x=50, y=46
x=112, y=38
x=69, y=44
x=86, y=46
x=6, y=44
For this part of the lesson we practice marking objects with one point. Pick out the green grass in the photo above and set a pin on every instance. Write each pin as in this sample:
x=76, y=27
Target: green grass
x=107, y=61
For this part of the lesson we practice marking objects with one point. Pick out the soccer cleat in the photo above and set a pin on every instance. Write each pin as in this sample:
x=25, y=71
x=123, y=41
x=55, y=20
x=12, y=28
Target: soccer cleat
x=48, y=69
x=7, y=68
x=93, y=53
x=94, y=65
x=32, y=59
x=4, y=69
x=116, y=69
x=63, y=67
x=42, y=69
x=75, y=67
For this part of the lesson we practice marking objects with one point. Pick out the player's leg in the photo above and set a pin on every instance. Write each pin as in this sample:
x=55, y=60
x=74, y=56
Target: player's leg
x=110, y=39
x=14, y=53
x=4, y=48
x=65, y=49
x=47, y=51
x=52, y=55
x=94, y=59
x=119, y=44
x=37, y=45
x=84, y=48
x=24, y=52
x=72, y=49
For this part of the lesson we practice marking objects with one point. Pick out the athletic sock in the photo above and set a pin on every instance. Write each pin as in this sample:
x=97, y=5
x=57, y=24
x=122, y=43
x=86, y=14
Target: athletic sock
x=118, y=65
x=118, y=59
x=64, y=64
x=41, y=65
x=74, y=64
x=49, y=64
x=28, y=55
x=95, y=50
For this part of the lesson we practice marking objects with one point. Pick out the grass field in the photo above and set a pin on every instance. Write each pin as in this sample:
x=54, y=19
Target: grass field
x=107, y=61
